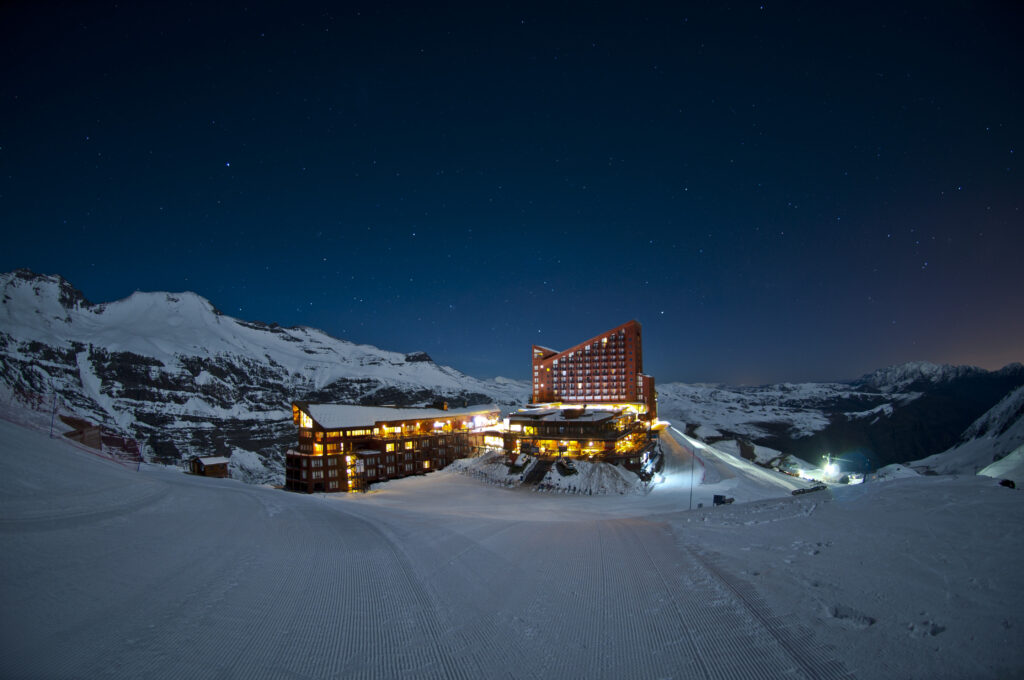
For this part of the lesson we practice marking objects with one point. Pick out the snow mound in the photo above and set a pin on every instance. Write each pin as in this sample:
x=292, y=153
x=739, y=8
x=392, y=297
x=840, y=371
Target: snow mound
x=489, y=468
x=591, y=479
x=895, y=471
x=249, y=467
x=575, y=477
x=705, y=432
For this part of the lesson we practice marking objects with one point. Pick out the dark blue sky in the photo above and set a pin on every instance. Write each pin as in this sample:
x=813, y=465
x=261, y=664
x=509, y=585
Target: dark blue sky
x=775, y=191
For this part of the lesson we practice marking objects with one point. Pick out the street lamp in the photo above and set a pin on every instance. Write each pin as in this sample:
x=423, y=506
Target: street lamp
x=693, y=456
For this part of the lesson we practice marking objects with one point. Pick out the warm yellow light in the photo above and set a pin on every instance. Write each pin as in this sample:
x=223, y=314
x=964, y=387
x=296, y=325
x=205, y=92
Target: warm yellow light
x=305, y=420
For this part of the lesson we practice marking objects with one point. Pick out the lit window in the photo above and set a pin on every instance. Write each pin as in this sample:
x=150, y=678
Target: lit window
x=390, y=447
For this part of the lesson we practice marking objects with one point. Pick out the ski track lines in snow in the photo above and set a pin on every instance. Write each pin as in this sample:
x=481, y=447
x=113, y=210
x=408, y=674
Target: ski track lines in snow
x=814, y=660
x=162, y=574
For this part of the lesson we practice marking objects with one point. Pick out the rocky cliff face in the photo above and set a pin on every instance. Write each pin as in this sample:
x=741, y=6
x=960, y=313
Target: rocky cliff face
x=184, y=379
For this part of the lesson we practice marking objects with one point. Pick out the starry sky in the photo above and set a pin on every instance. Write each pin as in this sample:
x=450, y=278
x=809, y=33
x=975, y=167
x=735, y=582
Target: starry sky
x=775, y=191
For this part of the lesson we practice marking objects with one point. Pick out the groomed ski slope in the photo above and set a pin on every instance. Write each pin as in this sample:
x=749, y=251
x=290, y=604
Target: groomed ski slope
x=109, y=571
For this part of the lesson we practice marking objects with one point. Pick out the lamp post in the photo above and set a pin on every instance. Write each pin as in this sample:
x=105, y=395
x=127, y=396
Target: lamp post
x=693, y=455
x=53, y=408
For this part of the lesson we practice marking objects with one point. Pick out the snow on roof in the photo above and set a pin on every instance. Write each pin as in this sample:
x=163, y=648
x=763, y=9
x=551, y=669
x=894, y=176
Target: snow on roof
x=214, y=460
x=566, y=414
x=534, y=412
x=332, y=416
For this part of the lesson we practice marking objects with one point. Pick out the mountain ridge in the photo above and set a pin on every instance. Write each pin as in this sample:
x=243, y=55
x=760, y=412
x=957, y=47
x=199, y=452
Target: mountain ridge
x=894, y=415
x=176, y=373
x=183, y=378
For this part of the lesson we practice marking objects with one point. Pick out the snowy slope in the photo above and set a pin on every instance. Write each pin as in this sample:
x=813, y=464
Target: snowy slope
x=116, y=573
x=751, y=411
x=989, y=440
x=895, y=414
x=174, y=372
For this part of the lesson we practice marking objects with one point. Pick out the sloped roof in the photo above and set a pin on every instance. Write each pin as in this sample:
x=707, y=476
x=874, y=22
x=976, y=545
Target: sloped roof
x=214, y=460
x=334, y=416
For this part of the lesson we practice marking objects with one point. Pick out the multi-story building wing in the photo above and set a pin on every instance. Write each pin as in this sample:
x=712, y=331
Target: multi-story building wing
x=346, y=448
x=602, y=433
x=590, y=401
x=606, y=369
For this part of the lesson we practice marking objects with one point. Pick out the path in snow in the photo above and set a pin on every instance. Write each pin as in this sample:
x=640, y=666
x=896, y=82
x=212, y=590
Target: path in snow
x=118, y=573
x=109, y=572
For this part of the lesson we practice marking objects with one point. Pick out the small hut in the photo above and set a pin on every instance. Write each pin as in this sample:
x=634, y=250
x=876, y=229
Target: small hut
x=84, y=432
x=213, y=466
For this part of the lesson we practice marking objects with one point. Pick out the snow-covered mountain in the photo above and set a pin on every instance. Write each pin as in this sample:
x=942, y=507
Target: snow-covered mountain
x=175, y=373
x=904, y=377
x=892, y=415
x=997, y=436
x=184, y=378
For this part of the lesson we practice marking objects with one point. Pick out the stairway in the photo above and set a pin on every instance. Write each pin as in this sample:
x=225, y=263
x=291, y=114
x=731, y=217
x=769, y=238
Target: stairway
x=537, y=472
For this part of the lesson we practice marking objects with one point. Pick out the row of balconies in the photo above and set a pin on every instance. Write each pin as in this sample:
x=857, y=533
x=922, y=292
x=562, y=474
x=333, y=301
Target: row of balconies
x=436, y=432
x=450, y=431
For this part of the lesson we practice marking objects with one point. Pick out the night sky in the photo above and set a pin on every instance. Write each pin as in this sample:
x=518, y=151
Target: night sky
x=774, y=191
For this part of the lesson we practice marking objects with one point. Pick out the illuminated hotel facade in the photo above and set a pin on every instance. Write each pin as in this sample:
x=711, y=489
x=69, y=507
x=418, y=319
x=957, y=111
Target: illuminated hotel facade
x=606, y=369
x=590, y=401
x=346, y=448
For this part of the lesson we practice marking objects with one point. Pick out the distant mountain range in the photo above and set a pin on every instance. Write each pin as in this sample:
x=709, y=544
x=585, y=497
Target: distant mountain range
x=173, y=372
x=185, y=379
x=894, y=415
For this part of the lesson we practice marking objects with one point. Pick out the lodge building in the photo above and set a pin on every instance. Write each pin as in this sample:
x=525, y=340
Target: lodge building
x=346, y=448
x=590, y=401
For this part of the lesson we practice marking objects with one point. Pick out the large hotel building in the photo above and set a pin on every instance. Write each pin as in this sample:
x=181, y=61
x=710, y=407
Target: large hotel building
x=590, y=401
x=606, y=369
